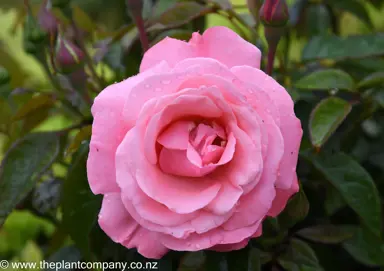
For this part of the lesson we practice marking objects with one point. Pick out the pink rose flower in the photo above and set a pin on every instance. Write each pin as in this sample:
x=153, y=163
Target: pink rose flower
x=196, y=150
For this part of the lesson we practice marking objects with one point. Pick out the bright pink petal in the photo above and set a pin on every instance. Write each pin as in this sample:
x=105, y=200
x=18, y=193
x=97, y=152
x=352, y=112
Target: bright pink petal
x=147, y=244
x=290, y=125
x=219, y=43
x=230, y=247
x=226, y=199
x=227, y=47
x=181, y=195
x=176, y=136
x=195, y=242
x=115, y=220
x=108, y=129
x=282, y=197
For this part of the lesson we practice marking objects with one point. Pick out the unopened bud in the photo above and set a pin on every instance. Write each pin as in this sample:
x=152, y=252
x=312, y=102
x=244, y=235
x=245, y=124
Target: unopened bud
x=274, y=13
x=47, y=20
x=68, y=55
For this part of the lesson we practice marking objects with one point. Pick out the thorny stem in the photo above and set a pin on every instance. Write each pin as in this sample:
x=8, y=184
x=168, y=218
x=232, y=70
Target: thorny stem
x=271, y=59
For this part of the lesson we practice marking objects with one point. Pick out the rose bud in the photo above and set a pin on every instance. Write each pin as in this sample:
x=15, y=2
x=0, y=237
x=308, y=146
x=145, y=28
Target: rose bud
x=196, y=150
x=274, y=13
x=46, y=18
x=68, y=56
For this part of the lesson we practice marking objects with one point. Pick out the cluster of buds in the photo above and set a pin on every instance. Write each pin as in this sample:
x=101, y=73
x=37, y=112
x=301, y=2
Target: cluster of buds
x=274, y=16
x=45, y=30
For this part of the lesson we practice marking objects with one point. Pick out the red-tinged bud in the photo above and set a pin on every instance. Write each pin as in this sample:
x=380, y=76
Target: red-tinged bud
x=47, y=20
x=68, y=56
x=274, y=13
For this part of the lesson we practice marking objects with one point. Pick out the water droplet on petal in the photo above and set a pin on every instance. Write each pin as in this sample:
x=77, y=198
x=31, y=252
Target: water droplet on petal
x=147, y=86
x=198, y=246
x=157, y=89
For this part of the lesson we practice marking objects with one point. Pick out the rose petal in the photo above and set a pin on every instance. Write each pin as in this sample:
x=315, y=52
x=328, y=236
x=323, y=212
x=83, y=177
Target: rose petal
x=213, y=44
x=290, y=125
x=181, y=195
x=176, y=136
x=230, y=247
x=282, y=197
x=108, y=129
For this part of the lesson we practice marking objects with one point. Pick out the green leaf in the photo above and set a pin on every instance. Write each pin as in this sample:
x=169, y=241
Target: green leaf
x=296, y=210
x=68, y=254
x=22, y=166
x=223, y=4
x=318, y=19
x=373, y=80
x=215, y=261
x=181, y=13
x=326, y=117
x=328, y=234
x=337, y=48
x=333, y=201
x=192, y=261
x=354, y=184
x=80, y=207
x=4, y=76
x=34, y=104
x=326, y=80
x=366, y=248
x=299, y=256
x=179, y=34
x=354, y=7
x=238, y=260
x=162, y=6
x=82, y=135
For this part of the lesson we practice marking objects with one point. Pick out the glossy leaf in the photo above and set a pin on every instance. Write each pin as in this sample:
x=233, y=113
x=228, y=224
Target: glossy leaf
x=354, y=184
x=33, y=105
x=337, y=48
x=238, y=260
x=296, y=210
x=22, y=166
x=318, y=19
x=333, y=201
x=373, y=80
x=354, y=7
x=82, y=135
x=327, y=234
x=181, y=13
x=80, y=207
x=326, y=80
x=366, y=248
x=299, y=256
x=326, y=117
x=82, y=20
x=223, y=4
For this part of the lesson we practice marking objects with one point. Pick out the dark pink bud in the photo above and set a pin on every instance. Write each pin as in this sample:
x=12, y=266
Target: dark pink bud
x=274, y=13
x=68, y=55
x=47, y=20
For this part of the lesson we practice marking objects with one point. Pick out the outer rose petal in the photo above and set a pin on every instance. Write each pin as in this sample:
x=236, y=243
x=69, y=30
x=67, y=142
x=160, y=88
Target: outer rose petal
x=290, y=125
x=219, y=43
x=122, y=228
x=282, y=197
x=108, y=129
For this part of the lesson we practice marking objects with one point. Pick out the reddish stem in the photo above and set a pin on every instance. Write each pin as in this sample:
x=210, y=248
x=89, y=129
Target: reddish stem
x=142, y=33
x=271, y=59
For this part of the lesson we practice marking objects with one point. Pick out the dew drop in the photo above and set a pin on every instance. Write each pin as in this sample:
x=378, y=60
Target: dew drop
x=157, y=89
x=147, y=86
x=197, y=246
x=166, y=82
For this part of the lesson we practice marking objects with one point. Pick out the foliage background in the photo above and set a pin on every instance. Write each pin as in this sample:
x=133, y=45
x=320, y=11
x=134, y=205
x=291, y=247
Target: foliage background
x=331, y=62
